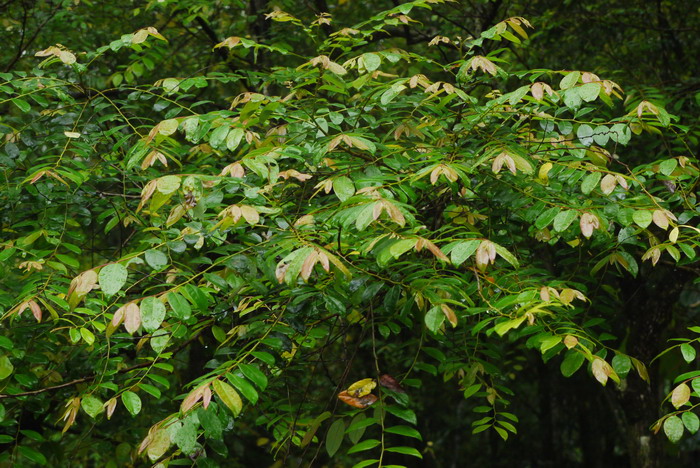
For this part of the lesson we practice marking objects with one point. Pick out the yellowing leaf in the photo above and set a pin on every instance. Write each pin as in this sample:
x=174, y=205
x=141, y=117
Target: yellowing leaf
x=361, y=388
x=250, y=214
x=680, y=395
x=228, y=396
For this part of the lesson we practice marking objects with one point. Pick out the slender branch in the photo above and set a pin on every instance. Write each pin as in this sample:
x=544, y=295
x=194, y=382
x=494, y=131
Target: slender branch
x=86, y=379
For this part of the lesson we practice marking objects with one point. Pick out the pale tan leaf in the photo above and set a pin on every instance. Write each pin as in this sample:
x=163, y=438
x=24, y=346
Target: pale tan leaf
x=588, y=224
x=680, y=395
x=191, y=399
x=36, y=310
x=132, y=317
x=622, y=181
x=449, y=314
x=607, y=185
x=206, y=397
x=660, y=219
x=600, y=369
x=110, y=405
x=308, y=265
x=570, y=341
x=537, y=90
x=118, y=317
x=280, y=271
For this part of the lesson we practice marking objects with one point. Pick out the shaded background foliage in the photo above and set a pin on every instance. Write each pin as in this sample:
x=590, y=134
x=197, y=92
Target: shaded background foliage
x=646, y=47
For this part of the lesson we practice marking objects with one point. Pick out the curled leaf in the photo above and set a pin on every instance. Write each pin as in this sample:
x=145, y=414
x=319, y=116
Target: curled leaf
x=361, y=402
x=362, y=387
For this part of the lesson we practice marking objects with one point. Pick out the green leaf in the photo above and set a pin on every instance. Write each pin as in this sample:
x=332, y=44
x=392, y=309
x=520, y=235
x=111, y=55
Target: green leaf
x=590, y=182
x=168, y=184
x=152, y=313
x=622, y=365
x=434, y=319
x=150, y=389
x=357, y=427
x=243, y=386
x=365, y=216
x=564, y=219
x=185, y=436
x=168, y=127
x=335, y=435
x=364, y=445
x=156, y=259
x=507, y=256
x=643, y=218
x=673, y=428
x=688, y=352
x=572, y=362
x=462, y=251
x=691, y=421
x=92, y=406
x=233, y=139
x=585, y=134
x=620, y=133
x=589, y=91
x=22, y=105
x=570, y=80
x=132, y=402
x=313, y=428
x=403, y=413
x=33, y=455
x=546, y=217
x=87, y=336
x=404, y=431
x=112, y=277
x=210, y=422
x=399, y=248
x=6, y=367
x=254, y=374
x=343, y=187
x=180, y=307
x=668, y=166
x=371, y=61
x=218, y=136
x=405, y=451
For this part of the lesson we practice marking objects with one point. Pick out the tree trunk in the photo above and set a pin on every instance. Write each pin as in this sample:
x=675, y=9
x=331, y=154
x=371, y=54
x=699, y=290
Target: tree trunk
x=648, y=302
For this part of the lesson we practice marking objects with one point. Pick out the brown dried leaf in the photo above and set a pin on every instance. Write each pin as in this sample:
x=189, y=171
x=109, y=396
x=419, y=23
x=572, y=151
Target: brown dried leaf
x=391, y=383
x=362, y=402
